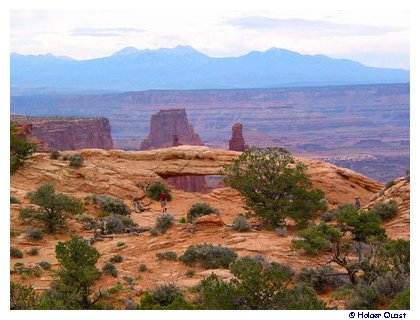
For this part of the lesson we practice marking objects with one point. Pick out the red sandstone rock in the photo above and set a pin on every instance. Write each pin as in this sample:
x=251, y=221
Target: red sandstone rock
x=237, y=142
x=74, y=134
x=167, y=123
x=211, y=220
x=24, y=130
x=171, y=128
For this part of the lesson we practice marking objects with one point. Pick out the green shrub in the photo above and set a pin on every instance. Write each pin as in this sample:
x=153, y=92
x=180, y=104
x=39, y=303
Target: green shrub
x=14, y=200
x=53, y=208
x=182, y=220
x=116, y=223
x=110, y=205
x=168, y=255
x=45, y=265
x=14, y=233
x=341, y=293
x=315, y=239
x=208, y=255
x=165, y=294
x=20, y=149
x=385, y=210
x=153, y=232
x=22, y=297
x=275, y=186
x=110, y=269
x=116, y=259
x=115, y=289
x=84, y=217
x=143, y=267
x=323, y=278
x=401, y=301
x=128, y=279
x=76, y=160
x=120, y=243
x=200, y=209
x=156, y=188
x=55, y=154
x=190, y=273
x=34, y=234
x=15, y=253
x=33, y=251
x=389, y=184
x=164, y=222
x=241, y=224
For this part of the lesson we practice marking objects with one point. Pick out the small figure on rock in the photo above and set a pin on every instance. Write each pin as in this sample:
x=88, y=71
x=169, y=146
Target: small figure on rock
x=357, y=203
x=163, y=201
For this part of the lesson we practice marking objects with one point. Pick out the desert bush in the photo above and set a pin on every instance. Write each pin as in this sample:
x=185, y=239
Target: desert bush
x=55, y=154
x=165, y=294
x=53, y=208
x=389, y=184
x=258, y=285
x=110, y=205
x=341, y=293
x=45, y=265
x=15, y=253
x=164, y=222
x=281, y=231
x=323, y=278
x=317, y=238
x=182, y=220
x=34, y=234
x=76, y=160
x=153, y=232
x=129, y=303
x=241, y=224
x=190, y=273
x=168, y=255
x=14, y=200
x=208, y=255
x=29, y=272
x=200, y=209
x=116, y=223
x=84, y=217
x=385, y=210
x=327, y=216
x=33, y=251
x=22, y=297
x=120, y=243
x=116, y=259
x=143, y=267
x=20, y=149
x=379, y=292
x=401, y=301
x=128, y=279
x=13, y=233
x=110, y=269
x=115, y=289
x=156, y=188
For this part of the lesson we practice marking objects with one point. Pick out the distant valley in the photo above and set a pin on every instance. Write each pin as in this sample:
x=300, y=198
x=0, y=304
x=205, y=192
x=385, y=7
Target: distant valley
x=363, y=127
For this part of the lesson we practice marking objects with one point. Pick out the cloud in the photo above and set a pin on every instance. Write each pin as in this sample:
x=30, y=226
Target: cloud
x=311, y=26
x=104, y=32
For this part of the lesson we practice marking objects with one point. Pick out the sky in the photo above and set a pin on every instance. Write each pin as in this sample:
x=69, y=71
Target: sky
x=374, y=38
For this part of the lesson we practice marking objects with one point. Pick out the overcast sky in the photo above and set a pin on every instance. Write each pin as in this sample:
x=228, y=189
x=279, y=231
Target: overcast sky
x=373, y=38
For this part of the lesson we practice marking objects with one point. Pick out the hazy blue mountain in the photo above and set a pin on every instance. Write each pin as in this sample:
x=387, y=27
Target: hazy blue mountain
x=183, y=67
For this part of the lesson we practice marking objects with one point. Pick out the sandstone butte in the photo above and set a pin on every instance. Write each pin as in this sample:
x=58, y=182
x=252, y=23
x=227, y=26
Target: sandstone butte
x=170, y=127
x=237, y=141
x=116, y=173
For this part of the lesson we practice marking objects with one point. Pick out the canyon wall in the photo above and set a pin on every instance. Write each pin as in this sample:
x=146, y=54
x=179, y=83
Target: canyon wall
x=63, y=134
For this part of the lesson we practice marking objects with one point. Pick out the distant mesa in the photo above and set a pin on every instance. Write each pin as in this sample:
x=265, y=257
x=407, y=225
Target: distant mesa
x=63, y=134
x=167, y=123
x=237, y=142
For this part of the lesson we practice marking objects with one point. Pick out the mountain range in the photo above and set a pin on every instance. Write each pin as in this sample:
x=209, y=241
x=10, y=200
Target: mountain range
x=183, y=68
